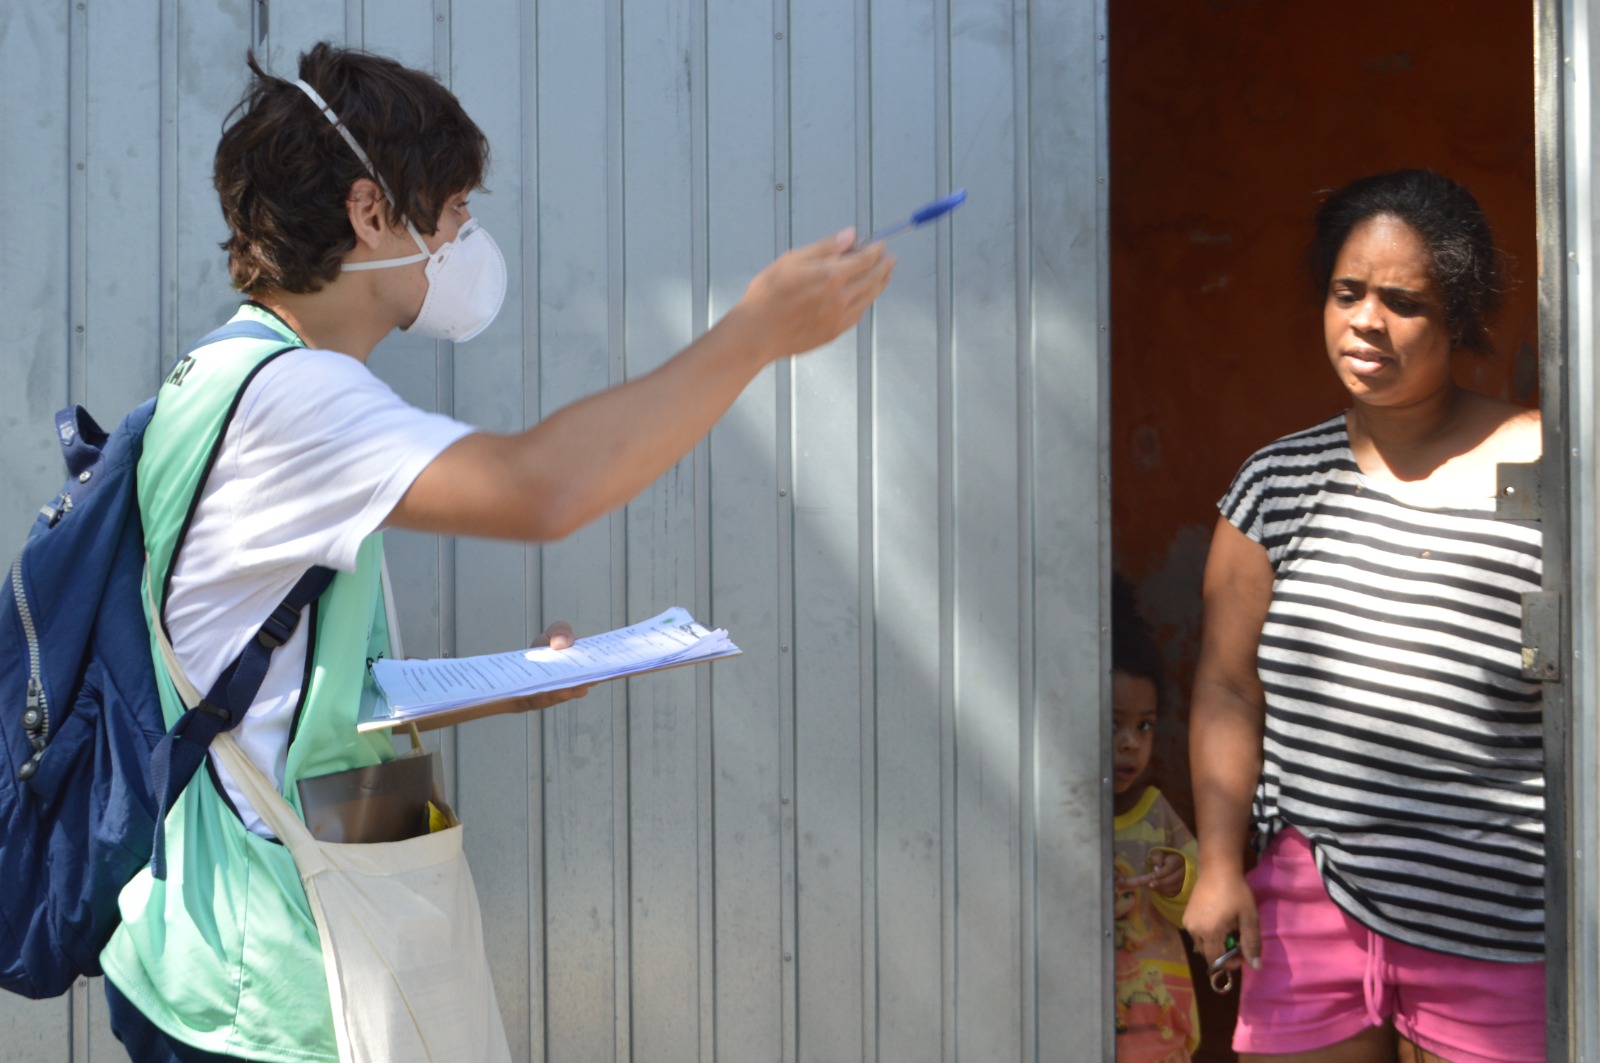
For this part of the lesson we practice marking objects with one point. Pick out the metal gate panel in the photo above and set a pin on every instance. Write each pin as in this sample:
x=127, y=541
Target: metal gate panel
x=876, y=833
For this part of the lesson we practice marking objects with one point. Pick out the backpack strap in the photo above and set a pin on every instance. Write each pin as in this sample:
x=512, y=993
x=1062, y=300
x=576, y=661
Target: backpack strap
x=244, y=329
x=83, y=441
x=182, y=750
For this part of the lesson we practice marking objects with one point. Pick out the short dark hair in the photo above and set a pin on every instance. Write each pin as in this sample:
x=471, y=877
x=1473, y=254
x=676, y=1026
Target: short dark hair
x=1452, y=226
x=284, y=173
x=1133, y=643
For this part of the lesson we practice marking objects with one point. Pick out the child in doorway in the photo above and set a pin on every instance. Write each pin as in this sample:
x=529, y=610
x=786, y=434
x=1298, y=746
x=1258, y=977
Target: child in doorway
x=1154, y=865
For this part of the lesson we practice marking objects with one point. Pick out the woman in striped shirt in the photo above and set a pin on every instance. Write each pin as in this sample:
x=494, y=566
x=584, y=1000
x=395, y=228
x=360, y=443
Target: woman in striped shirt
x=1359, y=709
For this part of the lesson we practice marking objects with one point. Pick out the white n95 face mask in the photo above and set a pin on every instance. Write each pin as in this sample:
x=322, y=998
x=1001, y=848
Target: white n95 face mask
x=466, y=283
x=466, y=276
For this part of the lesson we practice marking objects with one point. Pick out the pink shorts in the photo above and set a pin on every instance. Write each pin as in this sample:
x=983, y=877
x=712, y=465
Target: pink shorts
x=1324, y=978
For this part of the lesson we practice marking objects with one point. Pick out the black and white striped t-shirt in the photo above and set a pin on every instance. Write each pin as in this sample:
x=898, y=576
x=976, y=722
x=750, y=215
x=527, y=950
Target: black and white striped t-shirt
x=1401, y=738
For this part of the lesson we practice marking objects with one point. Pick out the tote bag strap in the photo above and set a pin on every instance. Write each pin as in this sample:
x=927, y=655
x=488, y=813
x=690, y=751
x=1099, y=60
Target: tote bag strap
x=270, y=805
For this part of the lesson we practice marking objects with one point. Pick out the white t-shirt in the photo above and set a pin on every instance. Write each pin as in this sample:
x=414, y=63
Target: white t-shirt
x=316, y=457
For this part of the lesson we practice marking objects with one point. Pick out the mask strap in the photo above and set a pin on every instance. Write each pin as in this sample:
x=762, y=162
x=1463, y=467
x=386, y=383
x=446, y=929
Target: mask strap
x=328, y=113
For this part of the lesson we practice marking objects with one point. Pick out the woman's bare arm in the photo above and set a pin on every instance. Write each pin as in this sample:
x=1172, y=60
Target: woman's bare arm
x=1225, y=727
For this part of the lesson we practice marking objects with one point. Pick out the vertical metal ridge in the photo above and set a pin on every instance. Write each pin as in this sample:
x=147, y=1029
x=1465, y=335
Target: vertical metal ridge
x=444, y=350
x=699, y=323
x=77, y=322
x=533, y=568
x=1027, y=788
x=449, y=547
x=866, y=552
x=783, y=381
x=617, y=530
x=168, y=202
x=949, y=586
x=1102, y=229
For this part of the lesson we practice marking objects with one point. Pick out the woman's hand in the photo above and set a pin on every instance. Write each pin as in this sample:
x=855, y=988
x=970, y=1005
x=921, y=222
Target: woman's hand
x=1222, y=904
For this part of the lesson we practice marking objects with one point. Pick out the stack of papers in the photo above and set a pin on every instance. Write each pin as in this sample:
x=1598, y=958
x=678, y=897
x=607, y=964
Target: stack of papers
x=414, y=690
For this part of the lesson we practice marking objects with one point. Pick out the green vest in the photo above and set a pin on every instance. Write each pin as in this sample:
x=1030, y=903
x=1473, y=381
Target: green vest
x=224, y=954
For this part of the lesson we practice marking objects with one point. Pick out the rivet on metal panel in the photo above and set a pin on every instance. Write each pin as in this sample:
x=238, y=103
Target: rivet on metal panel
x=1518, y=485
x=80, y=165
x=785, y=800
x=780, y=186
x=783, y=492
x=778, y=36
x=784, y=648
x=79, y=328
x=438, y=17
x=788, y=957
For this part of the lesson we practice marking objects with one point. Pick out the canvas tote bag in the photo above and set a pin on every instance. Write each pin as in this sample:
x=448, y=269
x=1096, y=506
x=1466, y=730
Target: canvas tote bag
x=402, y=937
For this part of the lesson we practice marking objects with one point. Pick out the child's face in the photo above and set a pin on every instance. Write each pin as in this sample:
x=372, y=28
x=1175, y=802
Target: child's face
x=1133, y=717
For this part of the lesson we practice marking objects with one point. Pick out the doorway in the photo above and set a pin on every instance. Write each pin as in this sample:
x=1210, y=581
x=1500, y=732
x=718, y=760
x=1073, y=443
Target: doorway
x=1228, y=118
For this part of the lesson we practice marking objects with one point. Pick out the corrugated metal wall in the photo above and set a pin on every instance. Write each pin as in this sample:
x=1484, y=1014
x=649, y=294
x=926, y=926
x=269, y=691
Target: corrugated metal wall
x=876, y=835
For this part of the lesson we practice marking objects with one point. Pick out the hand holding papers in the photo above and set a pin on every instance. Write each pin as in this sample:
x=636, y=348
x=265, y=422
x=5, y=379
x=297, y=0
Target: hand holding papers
x=448, y=690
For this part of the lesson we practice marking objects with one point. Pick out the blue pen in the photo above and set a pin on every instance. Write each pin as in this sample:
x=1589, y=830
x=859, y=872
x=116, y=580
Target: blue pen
x=920, y=217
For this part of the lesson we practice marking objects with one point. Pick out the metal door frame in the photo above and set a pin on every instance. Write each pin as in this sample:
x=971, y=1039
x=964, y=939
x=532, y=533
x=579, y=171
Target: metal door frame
x=1567, y=304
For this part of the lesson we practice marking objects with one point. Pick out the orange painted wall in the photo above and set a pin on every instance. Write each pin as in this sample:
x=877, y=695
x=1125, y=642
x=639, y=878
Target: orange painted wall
x=1227, y=118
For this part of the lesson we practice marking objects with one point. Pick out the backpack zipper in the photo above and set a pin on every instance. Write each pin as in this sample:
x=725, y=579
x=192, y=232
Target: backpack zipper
x=36, y=720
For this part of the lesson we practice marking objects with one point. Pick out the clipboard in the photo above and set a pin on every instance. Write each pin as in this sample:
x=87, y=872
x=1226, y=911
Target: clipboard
x=442, y=692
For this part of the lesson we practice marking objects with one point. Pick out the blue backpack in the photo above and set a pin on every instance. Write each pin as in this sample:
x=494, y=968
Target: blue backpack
x=88, y=767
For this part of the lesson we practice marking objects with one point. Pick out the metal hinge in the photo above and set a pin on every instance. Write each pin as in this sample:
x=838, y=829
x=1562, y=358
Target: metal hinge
x=1541, y=636
x=1517, y=496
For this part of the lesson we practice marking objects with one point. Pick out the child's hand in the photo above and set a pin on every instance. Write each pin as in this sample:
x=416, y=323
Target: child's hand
x=1166, y=874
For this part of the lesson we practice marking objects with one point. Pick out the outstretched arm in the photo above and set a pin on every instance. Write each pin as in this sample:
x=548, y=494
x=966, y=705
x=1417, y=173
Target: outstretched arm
x=595, y=454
